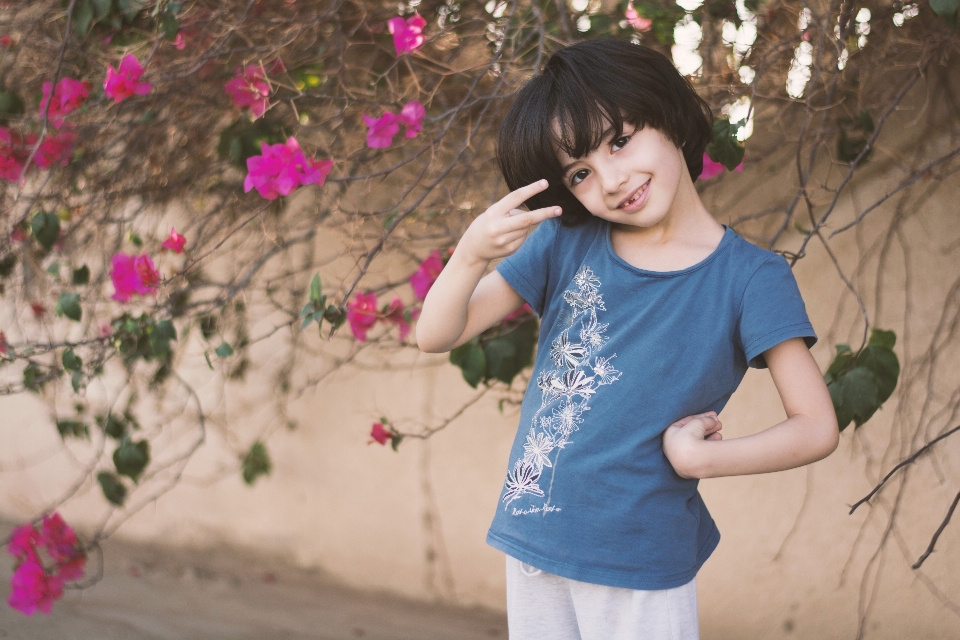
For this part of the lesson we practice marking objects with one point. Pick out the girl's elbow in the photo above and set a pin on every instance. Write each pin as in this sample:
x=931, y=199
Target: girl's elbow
x=829, y=433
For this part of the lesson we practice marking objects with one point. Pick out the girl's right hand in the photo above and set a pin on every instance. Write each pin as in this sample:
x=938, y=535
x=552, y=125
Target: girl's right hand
x=501, y=229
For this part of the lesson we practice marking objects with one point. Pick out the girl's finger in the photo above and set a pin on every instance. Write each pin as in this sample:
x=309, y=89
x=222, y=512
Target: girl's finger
x=514, y=199
x=520, y=220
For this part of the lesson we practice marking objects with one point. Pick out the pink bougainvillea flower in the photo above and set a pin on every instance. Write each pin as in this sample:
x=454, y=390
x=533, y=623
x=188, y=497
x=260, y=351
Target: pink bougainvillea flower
x=380, y=131
x=407, y=34
x=38, y=309
x=396, y=314
x=426, y=274
x=281, y=168
x=19, y=235
x=68, y=96
x=637, y=21
x=712, y=169
x=362, y=314
x=3, y=342
x=179, y=42
x=133, y=274
x=379, y=433
x=23, y=542
x=13, y=154
x=175, y=242
x=276, y=67
x=59, y=538
x=250, y=89
x=31, y=589
x=55, y=149
x=412, y=118
x=6, y=41
x=125, y=81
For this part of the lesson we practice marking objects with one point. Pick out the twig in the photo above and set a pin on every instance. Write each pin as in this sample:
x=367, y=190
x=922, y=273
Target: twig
x=936, y=535
x=900, y=466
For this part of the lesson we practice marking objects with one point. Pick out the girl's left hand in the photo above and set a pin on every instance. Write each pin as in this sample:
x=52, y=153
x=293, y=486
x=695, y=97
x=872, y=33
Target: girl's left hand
x=683, y=441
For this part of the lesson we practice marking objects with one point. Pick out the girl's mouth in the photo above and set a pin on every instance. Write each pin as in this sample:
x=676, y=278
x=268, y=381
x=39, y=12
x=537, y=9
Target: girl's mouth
x=636, y=197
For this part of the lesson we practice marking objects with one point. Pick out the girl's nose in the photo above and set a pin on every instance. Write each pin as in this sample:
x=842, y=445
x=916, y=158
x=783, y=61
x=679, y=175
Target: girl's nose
x=612, y=180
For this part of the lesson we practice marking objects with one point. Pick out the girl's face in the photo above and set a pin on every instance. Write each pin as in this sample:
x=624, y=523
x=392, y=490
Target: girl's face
x=631, y=180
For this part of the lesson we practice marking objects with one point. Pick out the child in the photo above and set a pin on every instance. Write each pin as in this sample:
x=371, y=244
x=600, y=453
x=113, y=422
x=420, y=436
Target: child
x=651, y=313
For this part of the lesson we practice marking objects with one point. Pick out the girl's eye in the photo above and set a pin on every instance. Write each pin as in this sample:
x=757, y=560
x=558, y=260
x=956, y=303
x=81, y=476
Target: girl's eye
x=620, y=142
x=579, y=177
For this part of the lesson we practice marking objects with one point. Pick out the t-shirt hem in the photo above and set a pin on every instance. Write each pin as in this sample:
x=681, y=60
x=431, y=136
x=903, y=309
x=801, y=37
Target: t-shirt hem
x=623, y=579
x=758, y=346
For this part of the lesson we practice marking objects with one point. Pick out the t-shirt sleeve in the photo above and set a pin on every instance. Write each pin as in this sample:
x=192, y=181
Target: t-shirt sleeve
x=772, y=311
x=527, y=270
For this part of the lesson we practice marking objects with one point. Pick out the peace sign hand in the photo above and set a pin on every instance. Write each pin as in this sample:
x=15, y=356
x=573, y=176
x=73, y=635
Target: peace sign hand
x=501, y=229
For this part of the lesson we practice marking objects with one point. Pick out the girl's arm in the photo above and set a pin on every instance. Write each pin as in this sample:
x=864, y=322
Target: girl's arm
x=696, y=449
x=460, y=305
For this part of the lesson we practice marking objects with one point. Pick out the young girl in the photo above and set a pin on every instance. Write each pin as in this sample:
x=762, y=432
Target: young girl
x=651, y=313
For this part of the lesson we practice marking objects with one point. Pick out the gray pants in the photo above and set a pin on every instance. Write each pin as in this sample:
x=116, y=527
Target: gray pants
x=542, y=606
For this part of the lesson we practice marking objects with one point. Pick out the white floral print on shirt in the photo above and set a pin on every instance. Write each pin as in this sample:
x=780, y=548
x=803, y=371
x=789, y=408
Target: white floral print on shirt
x=565, y=391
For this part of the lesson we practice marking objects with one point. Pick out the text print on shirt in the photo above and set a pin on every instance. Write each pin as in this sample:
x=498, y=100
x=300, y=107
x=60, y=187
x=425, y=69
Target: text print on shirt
x=565, y=392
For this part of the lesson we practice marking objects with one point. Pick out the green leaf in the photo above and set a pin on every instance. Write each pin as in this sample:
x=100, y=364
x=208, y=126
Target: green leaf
x=471, y=360
x=130, y=8
x=45, y=228
x=499, y=354
x=101, y=8
x=881, y=338
x=841, y=362
x=81, y=276
x=316, y=289
x=395, y=441
x=82, y=17
x=73, y=428
x=945, y=8
x=71, y=361
x=135, y=239
x=76, y=381
x=68, y=304
x=113, y=489
x=224, y=350
x=113, y=425
x=256, y=463
x=31, y=376
x=131, y=458
x=334, y=316
x=724, y=147
x=169, y=25
x=11, y=106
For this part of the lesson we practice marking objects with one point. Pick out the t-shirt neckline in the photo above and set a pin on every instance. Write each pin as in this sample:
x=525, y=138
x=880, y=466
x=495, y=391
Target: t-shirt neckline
x=728, y=235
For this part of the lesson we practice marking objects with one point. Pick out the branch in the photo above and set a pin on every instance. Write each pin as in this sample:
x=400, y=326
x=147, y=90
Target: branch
x=900, y=466
x=936, y=535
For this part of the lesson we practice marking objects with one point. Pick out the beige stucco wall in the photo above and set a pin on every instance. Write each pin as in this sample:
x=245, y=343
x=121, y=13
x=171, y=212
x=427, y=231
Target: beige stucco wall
x=414, y=522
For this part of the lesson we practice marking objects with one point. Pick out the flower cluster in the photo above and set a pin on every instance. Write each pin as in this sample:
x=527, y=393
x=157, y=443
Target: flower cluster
x=175, y=242
x=380, y=131
x=125, y=81
x=68, y=96
x=34, y=586
x=362, y=315
x=133, y=274
x=424, y=277
x=15, y=149
x=250, y=89
x=407, y=34
x=281, y=168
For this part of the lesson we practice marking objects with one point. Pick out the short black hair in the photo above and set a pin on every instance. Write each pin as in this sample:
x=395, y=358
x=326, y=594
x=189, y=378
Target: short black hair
x=586, y=88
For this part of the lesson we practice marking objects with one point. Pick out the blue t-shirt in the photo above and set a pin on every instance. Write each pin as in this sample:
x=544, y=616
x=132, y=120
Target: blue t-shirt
x=623, y=353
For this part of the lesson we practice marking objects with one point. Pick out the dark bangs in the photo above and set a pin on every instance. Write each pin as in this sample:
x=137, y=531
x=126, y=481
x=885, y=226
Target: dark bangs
x=585, y=91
